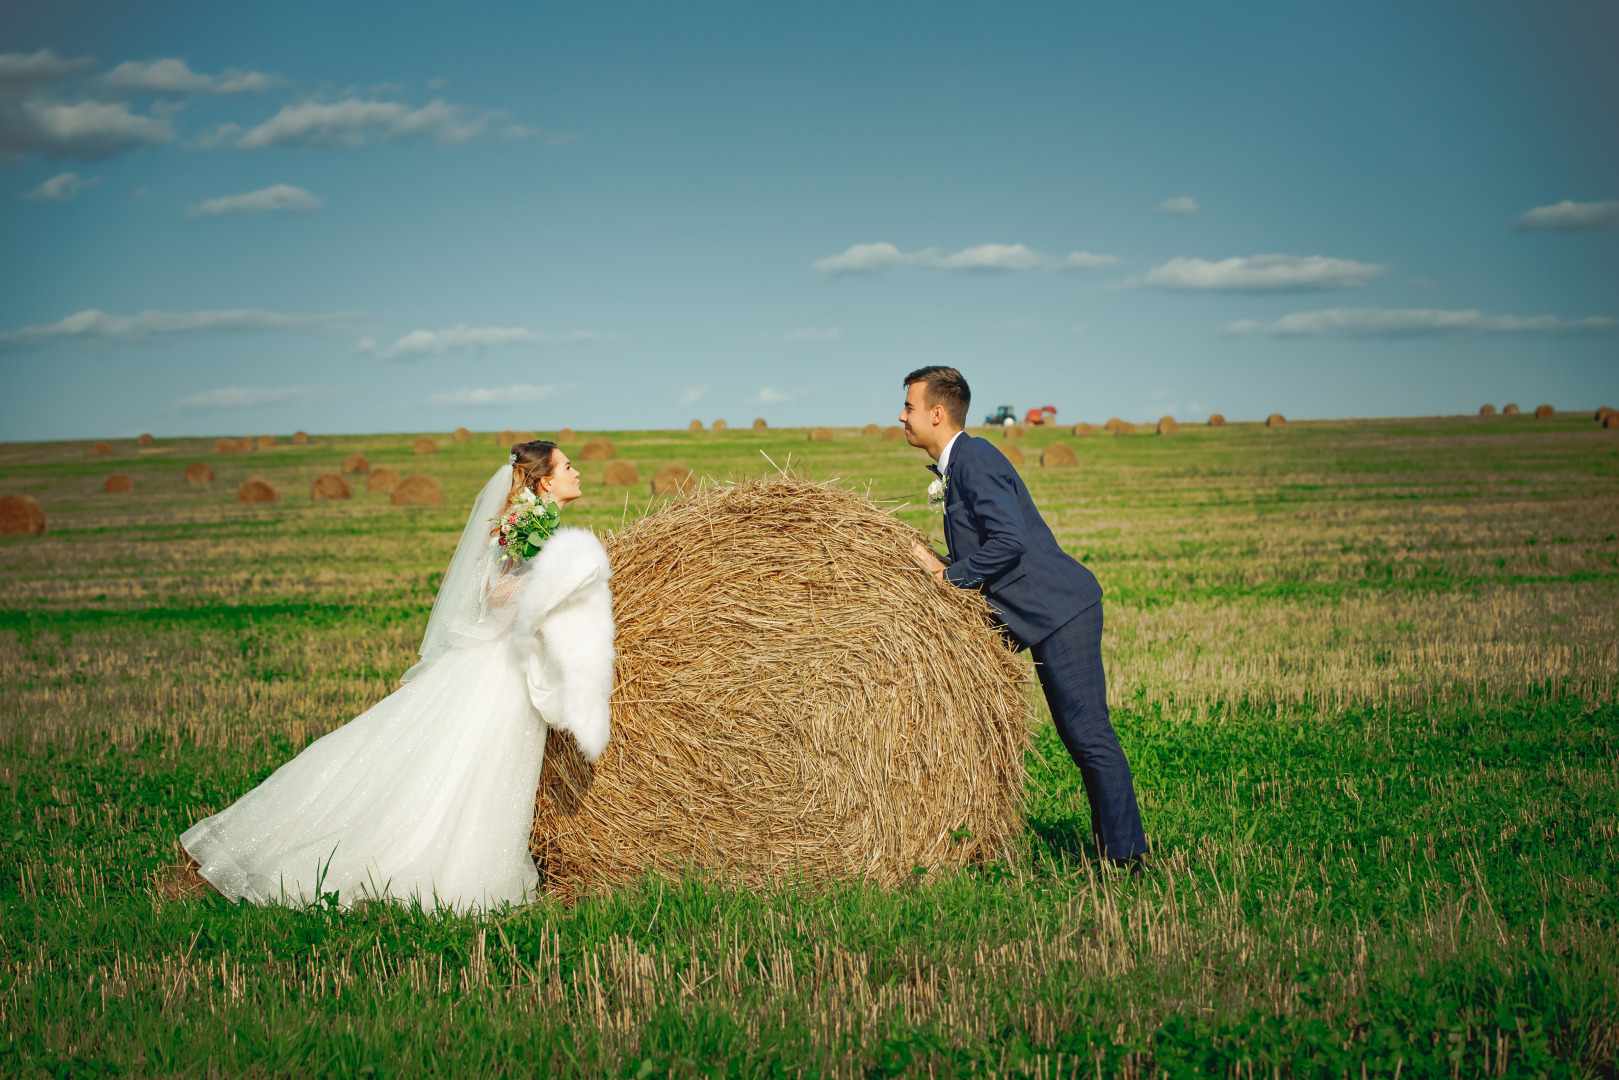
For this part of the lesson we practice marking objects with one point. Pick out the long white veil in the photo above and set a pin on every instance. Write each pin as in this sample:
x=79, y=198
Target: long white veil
x=459, y=606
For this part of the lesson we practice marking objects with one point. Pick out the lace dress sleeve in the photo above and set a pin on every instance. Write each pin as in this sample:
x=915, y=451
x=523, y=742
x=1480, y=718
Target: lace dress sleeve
x=504, y=585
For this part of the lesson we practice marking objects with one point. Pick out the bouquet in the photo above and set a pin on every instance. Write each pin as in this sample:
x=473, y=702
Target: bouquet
x=528, y=524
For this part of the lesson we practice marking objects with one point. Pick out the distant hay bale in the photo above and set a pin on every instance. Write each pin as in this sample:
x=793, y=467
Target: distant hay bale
x=1216, y=420
x=506, y=438
x=330, y=486
x=224, y=446
x=381, y=479
x=1014, y=431
x=265, y=442
x=1275, y=419
x=720, y=425
x=1509, y=410
x=600, y=448
x=300, y=438
x=673, y=479
x=100, y=449
x=1611, y=420
x=1119, y=427
x=244, y=446
x=695, y=425
x=774, y=719
x=418, y=490
x=820, y=434
x=1487, y=410
x=424, y=445
x=871, y=429
x=760, y=425
x=145, y=439
x=21, y=515
x=1602, y=414
x=1167, y=425
x=1082, y=430
x=256, y=491
x=118, y=484
x=356, y=463
x=461, y=434
x=893, y=432
x=621, y=472
x=1013, y=454
x=1544, y=412
x=1058, y=455
x=198, y=473
x=566, y=435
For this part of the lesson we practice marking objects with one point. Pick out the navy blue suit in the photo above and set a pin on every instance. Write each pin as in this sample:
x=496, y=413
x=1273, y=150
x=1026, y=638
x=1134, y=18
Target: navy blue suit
x=1052, y=605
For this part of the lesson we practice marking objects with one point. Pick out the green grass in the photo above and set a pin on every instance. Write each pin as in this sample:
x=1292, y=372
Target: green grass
x=1364, y=672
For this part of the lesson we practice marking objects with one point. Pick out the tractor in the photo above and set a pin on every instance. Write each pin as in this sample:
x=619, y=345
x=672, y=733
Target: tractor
x=1004, y=417
x=1043, y=415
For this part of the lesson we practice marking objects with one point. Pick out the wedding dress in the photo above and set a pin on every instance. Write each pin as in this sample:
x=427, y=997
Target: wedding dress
x=430, y=793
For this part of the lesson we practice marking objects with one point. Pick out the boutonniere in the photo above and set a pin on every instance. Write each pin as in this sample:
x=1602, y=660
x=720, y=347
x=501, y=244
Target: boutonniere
x=936, y=492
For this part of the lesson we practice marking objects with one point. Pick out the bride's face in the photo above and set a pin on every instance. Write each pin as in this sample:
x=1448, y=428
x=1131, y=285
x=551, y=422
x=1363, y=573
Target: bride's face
x=563, y=483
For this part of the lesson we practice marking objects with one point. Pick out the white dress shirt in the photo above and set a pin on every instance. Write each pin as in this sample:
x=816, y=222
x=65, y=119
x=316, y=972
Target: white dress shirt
x=944, y=456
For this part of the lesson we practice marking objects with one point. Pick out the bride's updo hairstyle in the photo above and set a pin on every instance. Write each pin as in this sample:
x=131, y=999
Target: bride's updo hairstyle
x=535, y=460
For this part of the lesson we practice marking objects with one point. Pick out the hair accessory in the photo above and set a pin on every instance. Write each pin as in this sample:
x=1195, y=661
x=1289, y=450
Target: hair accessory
x=511, y=459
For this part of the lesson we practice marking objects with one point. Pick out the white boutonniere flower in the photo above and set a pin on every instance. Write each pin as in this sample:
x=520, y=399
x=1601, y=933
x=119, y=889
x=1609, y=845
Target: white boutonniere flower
x=936, y=492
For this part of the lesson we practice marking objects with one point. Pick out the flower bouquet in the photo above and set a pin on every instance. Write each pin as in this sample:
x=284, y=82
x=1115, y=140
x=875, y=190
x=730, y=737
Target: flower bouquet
x=528, y=524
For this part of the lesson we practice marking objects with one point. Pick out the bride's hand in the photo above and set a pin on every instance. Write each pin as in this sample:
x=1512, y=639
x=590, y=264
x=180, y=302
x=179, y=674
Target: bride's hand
x=930, y=562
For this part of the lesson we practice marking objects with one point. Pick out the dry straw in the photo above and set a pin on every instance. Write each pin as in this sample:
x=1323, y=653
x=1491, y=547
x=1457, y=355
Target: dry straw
x=256, y=491
x=381, y=479
x=1275, y=419
x=820, y=434
x=1058, y=455
x=1611, y=420
x=224, y=446
x=1216, y=420
x=600, y=448
x=1167, y=425
x=424, y=445
x=696, y=425
x=621, y=472
x=1487, y=410
x=100, y=449
x=774, y=717
x=506, y=438
x=1119, y=427
x=118, y=484
x=892, y=433
x=356, y=463
x=21, y=515
x=721, y=425
x=1510, y=410
x=265, y=442
x=145, y=439
x=1014, y=431
x=760, y=425
x=461, y=434
x=1081, y=430
x=566, y=435
x=198, y=473
x=418, y=490
x=244, y=446
x=1602, y=414
x=871, y=429
x=1013, y=454
x=300, y=438
x=330, y=486
x=672, y=479
x=1544, y=412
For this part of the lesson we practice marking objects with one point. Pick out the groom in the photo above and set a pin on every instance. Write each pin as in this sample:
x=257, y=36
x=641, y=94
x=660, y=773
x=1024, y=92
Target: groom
x=1050, y=604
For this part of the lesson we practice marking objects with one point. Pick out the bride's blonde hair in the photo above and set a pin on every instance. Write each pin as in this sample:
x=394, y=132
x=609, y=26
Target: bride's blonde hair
x=535, y=461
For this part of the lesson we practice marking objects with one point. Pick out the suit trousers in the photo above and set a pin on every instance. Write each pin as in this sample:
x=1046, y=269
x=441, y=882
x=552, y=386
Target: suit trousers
x=1069, y=662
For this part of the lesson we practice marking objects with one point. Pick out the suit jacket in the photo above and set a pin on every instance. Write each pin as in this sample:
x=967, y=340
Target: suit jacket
x=999, y=542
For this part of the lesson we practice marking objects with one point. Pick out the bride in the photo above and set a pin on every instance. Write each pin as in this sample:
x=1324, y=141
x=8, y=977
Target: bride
x=430, y=793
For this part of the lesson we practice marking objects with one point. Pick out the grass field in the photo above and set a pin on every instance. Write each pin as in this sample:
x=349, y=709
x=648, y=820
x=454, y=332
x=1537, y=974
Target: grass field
x=1365, y=672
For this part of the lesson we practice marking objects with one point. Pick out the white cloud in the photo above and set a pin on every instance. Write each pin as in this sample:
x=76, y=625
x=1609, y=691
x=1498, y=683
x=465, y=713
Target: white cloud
x=770, y=395
x=1180, y=204
x=61, y=188
x=504, y=395
x=93, y=325
x=251, y=397
x=172, y=76
x=693, y=394
x=82, y=129
x=1259, y=273
x=275, y=197
x=219, y=135
x=22, y=69
x=1568, y=216
x=1412, y=322
x=829, y=334
x=352, y=122
x=465, y=338
x=517, y=132
x=863, y=259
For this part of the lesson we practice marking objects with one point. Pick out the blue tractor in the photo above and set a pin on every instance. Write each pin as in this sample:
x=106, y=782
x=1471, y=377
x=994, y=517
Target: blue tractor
x=1003, y=416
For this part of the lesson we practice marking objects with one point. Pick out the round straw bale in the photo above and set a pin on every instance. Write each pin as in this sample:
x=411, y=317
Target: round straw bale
x=1013, y=454
x=199, y=473
x=145, y=439
x=1544, y=412
x=621, y=472
x=1216, y=420
x=224, y=446
x=300, y=438
x=774, y=719
x=760, y=425
x=893, y=432
x=1120, y=427
x=721, y=425
x=871, y=429
x=244, y=446
x=566, y=435
x=506, y=438
x=330, y=486
x=695, y=425
x=21, y=515
x=1611, y=420
x=1509, y=409
x=820, y=434
x=461, y=434
x=118, y=483
x=600, y=448
x=1057, y=455
x=381, y=479
x=1487, y=410
x=356, y=463
x=265, y=442
x=1602, y=414
x=424, y=445
x=1275, y=419
x=256, y=491
x=100, y=449
x=1167, y=425
x=673, y=479
x=418, y=490
x=1081, y=430
x=1014, y=431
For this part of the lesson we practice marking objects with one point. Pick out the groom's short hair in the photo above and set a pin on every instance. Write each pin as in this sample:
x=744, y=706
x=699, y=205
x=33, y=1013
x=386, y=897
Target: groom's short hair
x=946, y=387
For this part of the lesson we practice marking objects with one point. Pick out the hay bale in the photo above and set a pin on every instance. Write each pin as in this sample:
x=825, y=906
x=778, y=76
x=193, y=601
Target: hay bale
x=198, y=473
x=1119, y=427
x=356, y=463
x=720, y=425
x=1611, y=420
x=418, y=490
x=224, y=446
x=256, y=491
x=300, y=438
x=621, y=472
x=1058, y=455
x=1509, y=409
x=118, y=484
x=424, y=445
x=673, y=480
x=1275, y=419
x=1082, y=430
x=265, y=442
x=1544, y=412
x=1216, y=420
x=1167, y=425
x=820, y=434
x=1487, y=410
x=772, y=716
x=145, y=439
x=461, y=434
x=892, y=433
x=871, y=429
x=1602, y=414
x=600, y=448
x=381, y=479
x=1013, y=431
x=1013, y=454
x=760, y=425
x=566, y=435
x=21, y=515
x=330, y=486
x=244, y=446
x=506, y=438
x=696, y=425
x=100, y=449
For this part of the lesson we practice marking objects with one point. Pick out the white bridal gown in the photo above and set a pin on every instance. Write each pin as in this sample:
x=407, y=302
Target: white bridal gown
x=430, y=793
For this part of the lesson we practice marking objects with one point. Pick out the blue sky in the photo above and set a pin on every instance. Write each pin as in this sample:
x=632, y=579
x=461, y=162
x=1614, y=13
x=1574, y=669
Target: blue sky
x=372, y=218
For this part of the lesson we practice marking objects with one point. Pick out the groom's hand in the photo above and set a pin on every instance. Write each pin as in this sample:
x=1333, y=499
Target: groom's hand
x=930, y=562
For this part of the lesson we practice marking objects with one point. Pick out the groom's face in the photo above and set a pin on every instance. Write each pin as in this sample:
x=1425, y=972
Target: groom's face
x=919, y=420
